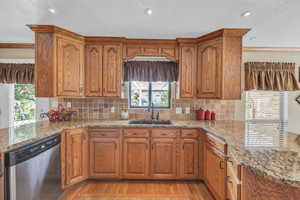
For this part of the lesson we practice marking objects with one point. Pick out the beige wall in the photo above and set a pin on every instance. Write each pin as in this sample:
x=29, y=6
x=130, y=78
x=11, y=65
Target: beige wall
x=293, y=106
x=16, y=53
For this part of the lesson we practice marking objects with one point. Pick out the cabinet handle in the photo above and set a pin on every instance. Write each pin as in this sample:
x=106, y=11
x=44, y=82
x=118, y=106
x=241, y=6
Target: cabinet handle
x=163, y=134
x=222, y=164
x=182, y=146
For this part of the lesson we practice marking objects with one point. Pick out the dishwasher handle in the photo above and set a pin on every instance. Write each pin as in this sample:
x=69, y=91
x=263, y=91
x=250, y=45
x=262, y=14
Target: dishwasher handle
x=29, y=151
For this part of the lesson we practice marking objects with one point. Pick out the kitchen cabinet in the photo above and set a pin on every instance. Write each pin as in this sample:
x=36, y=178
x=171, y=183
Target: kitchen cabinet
x=112, y=70
x=70, y=63
x=105, y=153
x=209, y=70
x=163, y=158
x=189, y=157
x=136, y=158
x=187, y=71
x=215, y=168
x=104, y=158
x=94, y=71
x=74, y=156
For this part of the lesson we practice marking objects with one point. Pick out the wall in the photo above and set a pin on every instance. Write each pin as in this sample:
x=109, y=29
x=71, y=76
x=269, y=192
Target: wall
x=293, y=106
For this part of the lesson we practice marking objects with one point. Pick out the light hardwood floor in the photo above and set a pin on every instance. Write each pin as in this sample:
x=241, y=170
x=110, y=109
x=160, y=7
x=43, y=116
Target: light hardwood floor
x=100, y=190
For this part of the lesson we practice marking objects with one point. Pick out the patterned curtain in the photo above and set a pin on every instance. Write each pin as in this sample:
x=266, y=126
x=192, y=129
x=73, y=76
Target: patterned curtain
x=270, y=76
x=17, y=73
x=151, y=71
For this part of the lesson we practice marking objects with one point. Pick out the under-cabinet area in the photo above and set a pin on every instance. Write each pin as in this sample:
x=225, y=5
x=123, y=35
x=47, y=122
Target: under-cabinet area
x=131, y=153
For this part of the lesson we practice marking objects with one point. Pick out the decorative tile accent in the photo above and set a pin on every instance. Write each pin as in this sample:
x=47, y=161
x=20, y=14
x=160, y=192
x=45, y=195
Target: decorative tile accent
x=100, y=109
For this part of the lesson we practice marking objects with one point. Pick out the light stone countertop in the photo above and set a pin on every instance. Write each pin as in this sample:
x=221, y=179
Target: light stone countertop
x=259, y=146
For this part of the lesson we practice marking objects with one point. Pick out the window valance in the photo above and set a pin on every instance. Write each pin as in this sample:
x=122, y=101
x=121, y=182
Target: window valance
x=21, y=73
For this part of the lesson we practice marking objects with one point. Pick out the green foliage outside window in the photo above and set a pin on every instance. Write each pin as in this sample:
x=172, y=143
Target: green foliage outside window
x=24, y=102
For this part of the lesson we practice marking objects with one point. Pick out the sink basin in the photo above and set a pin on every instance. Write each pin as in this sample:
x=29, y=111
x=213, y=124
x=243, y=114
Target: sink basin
x=159, y=122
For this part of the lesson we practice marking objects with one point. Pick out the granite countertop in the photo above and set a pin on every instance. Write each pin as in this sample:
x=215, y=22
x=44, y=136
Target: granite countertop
x=260, y=146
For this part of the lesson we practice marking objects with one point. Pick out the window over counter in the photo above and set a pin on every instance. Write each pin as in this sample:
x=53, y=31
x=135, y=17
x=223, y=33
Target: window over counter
x=144, y=94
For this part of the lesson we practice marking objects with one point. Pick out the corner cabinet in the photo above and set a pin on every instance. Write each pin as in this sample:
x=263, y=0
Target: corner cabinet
x=74, y=156
x=70, y=67
x=187, y=69
x=209, y=70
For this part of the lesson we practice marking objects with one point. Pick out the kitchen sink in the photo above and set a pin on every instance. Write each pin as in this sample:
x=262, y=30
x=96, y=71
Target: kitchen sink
x=159, y=122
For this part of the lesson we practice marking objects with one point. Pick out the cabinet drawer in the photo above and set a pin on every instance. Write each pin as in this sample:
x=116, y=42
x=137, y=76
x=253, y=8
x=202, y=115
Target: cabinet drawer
x=189, y=133
x=104, y=133
x=216, y=143
x=165, y=133
x=136, y=132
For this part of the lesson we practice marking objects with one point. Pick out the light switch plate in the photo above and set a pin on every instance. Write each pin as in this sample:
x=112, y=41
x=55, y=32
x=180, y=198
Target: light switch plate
x=187, y=110
x=69, y=105
x=178, y=110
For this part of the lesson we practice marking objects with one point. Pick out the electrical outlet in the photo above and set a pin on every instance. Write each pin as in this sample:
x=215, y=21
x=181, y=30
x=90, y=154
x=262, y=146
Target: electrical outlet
x=187, y=110
x=69, y=105
x=178, y=110
x=112, y=109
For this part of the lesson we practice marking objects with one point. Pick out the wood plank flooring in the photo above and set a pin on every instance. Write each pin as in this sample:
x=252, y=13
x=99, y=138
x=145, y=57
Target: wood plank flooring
x=99, y=190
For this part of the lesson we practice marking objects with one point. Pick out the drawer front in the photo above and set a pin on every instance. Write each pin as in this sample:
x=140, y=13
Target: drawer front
x=233, y=189
x=189, y=133
x=233, y=169
x=216, y=143
x=165, y=133
x=136, y=132
x=104, y=133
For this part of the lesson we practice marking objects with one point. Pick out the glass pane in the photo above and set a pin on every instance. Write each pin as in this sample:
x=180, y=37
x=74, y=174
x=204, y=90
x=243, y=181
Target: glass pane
x=139, y=94
x=25, y=106
x=160, y=94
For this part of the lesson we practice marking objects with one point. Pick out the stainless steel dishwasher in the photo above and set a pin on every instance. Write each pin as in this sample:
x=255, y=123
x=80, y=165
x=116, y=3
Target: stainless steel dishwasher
x=33, y=171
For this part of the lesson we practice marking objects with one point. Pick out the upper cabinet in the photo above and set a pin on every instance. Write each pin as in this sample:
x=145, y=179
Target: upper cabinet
x=187, y=69
x=93, y=70
x=70, y=57
x=112, y=70
x=219, y=57
x=71, y=65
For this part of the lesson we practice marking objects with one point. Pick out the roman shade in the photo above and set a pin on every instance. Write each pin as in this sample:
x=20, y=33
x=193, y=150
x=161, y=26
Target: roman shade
x=151, y=71
x=272, y=76
x=20, y=73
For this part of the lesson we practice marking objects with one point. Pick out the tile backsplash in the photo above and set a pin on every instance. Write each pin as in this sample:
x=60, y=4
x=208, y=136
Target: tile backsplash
x=101, y=108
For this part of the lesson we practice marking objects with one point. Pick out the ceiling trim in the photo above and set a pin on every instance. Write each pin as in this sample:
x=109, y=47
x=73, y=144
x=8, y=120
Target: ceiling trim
x=17, y=45
x=271, y=49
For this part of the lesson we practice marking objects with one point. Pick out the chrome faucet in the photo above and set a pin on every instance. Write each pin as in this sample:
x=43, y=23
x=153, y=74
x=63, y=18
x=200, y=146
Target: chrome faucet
x=151, y=109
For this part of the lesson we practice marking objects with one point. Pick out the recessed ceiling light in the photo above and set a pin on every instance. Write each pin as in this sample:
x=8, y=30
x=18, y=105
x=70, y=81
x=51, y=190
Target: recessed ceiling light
x=52, y=10
x=148, y=11
x=246, y=14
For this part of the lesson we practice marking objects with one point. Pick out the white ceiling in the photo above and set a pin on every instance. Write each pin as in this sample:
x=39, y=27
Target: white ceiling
x=273, y=22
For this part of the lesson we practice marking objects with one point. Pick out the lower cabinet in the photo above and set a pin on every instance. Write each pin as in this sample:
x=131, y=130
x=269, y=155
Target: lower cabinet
x=189, y=154
x=163, y=158
x=136, y=156
x=74, y=156
x=215, y=172
x=104, y=158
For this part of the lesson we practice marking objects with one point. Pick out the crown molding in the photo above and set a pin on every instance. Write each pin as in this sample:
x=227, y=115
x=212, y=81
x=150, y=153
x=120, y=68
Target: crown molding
x=17, y=45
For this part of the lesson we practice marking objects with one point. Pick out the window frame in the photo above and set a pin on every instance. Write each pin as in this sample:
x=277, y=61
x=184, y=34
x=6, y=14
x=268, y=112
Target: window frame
x=150, y=98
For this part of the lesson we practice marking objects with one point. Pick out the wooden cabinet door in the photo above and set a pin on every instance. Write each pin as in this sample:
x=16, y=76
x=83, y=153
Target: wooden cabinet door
x=163, y=158
x=209, y=70
x=74, y=156
x=136, y=158
x=104, y=158
x=112, y=70
x=215, y=172
x=93, y=70
x=189, y=157
x=70, y=63
x=187, y=71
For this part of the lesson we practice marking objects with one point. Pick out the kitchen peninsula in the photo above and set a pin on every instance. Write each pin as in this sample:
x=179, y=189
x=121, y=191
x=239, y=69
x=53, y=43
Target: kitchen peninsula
x=247, y=169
